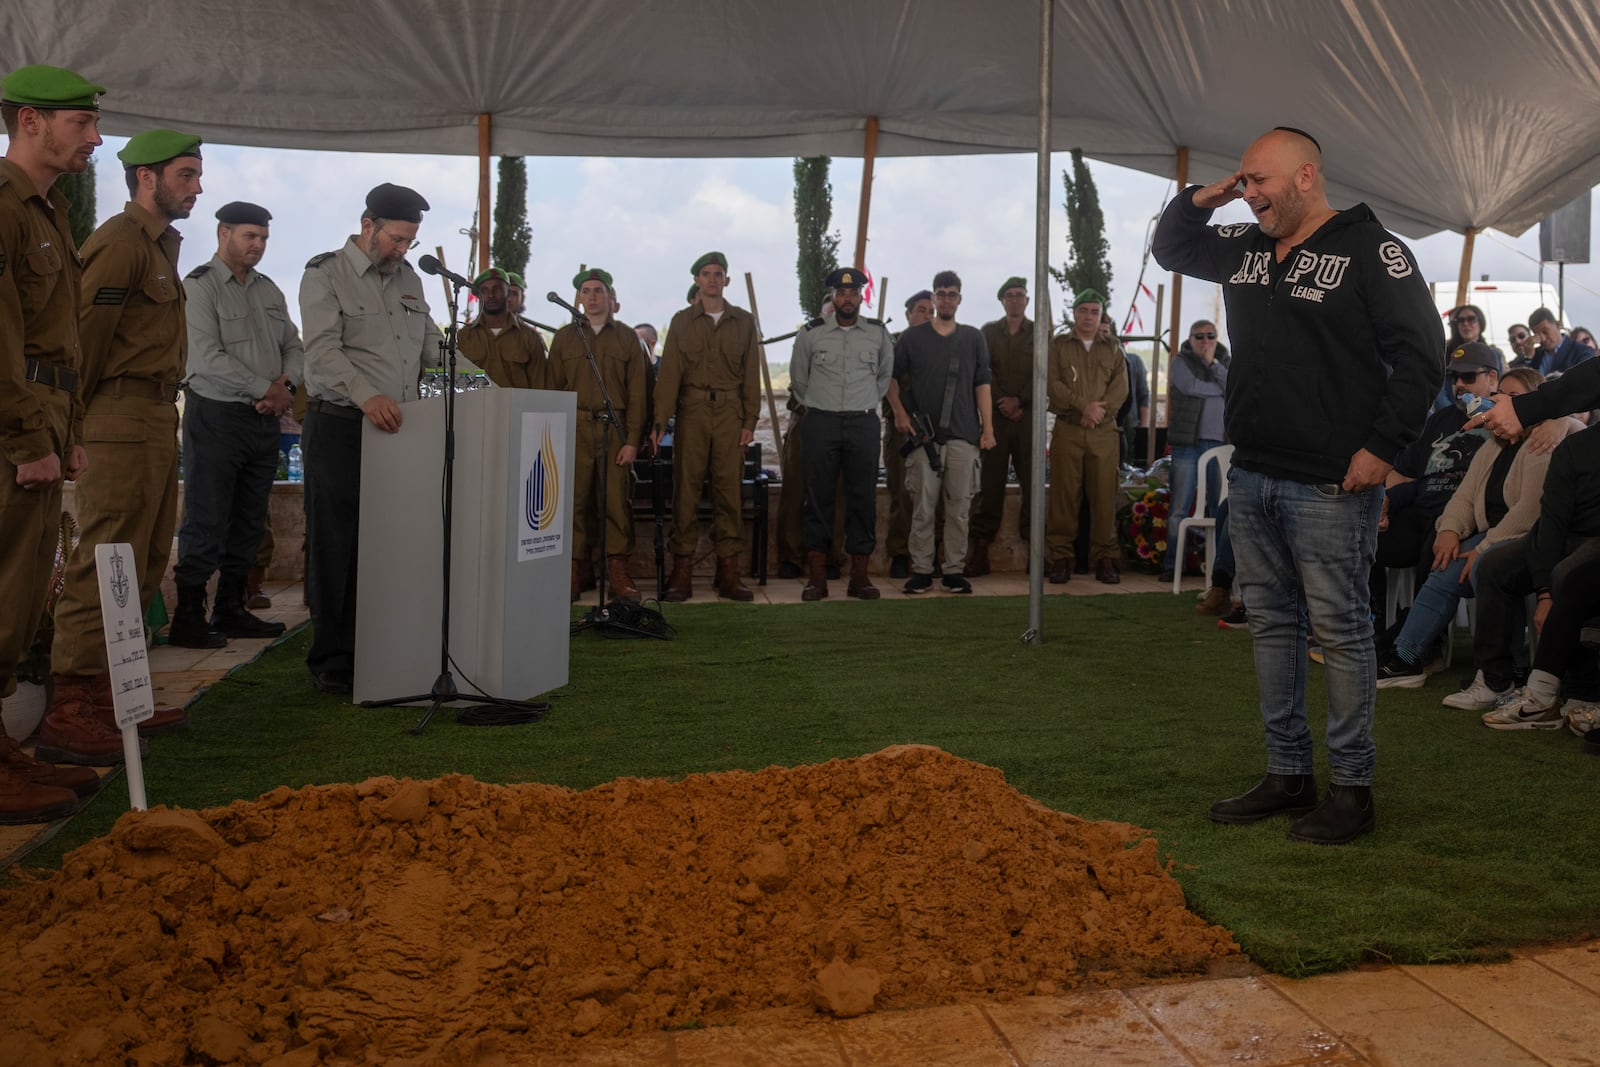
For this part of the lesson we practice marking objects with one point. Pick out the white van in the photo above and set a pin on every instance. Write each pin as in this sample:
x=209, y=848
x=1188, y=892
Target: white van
x=1503, y=303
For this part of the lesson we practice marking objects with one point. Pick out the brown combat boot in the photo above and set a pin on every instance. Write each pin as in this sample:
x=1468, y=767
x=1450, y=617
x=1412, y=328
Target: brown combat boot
x=617, y=575
x=586, y=580
x=817, y=577
x=861, y=586
x=254, y=598
x=81, y=781
x=71, y=732
x=680, y=586
x=728, y=583
x=575, y=585
x=978, y=562
x=23, y=801
x=168, y=718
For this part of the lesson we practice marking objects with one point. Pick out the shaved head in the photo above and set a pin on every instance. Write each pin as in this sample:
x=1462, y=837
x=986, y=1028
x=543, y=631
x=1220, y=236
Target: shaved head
x=1283, y=183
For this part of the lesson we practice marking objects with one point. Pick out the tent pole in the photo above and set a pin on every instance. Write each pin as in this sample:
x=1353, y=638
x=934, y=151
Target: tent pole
x=869, y=155
x=1041, y=334
x=1468, y=236
x=484, y=209
x=1177, y=279
x=1155, y=383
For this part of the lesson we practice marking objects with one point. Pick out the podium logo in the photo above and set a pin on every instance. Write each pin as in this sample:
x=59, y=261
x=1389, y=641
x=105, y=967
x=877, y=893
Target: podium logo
x=541, y=493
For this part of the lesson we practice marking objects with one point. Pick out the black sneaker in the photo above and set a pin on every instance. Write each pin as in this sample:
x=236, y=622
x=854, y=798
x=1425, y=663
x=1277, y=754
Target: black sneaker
x=1396, y=673
x=1234, y=620
x=919, y=583
x=957, y=583
x=900, y=567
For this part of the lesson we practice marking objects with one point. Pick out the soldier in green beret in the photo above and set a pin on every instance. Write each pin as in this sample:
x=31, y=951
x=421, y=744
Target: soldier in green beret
x=135, y=350
x=52, y=124
x=514, y=294
x=1010, y=341
x=510, y=352
x=625, y=370
x=708, y=379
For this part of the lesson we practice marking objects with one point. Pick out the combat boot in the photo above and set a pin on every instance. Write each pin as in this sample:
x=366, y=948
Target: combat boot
x=728, y=583
x=978, y=562
x=254, y=598
x=817, y=581
x=861, y=586
x=233, y=619
x=680, y=586
x=71, y=733
x=166, y=719
x=23, y=801
x=81, y=781
x=1344, y=815
x=1276, y=794
x=617, y=574
x=189, y=628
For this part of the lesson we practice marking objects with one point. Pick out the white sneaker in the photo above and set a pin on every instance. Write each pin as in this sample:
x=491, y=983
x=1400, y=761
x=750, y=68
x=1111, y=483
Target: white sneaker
x=1582, y=716
x=1477, y=696
x=1525, y=713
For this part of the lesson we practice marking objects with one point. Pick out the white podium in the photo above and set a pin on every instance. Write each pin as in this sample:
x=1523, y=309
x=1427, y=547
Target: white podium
x=511, y=557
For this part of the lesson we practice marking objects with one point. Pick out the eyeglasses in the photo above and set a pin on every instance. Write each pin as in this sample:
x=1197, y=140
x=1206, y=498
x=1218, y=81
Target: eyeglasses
x=1466, y=318
x=1465, y=377
x=401, y=241
x=947, y=294
x=1202, y=337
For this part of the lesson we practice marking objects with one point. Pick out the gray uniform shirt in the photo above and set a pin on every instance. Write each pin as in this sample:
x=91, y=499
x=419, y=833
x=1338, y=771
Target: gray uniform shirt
x=835, y=368
x=366, y=333
x=241, y=338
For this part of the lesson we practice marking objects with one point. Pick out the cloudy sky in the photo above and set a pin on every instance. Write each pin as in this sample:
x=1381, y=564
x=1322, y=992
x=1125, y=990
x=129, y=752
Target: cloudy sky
x=646, y=220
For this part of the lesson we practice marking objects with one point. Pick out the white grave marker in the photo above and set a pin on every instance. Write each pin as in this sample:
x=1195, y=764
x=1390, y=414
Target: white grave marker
x=131, y=692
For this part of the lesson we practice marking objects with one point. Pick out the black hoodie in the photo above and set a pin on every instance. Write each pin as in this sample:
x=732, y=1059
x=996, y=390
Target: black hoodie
x=1335, y=349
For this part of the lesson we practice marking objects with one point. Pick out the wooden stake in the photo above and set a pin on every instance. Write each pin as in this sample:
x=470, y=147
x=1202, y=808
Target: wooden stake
x=766, y=373
x=485, y=209
x=1177, y=279
x=868, y=156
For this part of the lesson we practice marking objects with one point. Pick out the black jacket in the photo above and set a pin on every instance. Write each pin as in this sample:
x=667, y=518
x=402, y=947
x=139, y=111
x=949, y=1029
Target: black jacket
x=1335, y=349
x=1576, y=390
x=1569, y=506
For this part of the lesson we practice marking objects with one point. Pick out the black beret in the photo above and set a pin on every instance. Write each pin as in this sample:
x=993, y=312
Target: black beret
x=845, y=278
x=241, y=213
x=920, y=294
x=396, y=202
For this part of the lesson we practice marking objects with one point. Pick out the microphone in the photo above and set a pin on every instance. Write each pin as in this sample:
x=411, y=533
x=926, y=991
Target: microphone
x=431, y=265
x=554, y=299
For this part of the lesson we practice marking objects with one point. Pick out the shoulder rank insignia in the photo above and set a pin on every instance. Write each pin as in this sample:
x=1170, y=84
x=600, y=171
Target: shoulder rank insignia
x=318, y=260
x=812, y=324
x=199, y=272
x=110, y=297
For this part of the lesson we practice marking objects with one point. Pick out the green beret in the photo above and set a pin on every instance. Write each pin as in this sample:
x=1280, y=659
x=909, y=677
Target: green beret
x=593, y=274
x=241, y=213
x=710, y=257
x=845, y=278
x=49, y=89
x=157, y=146
x=1088, y=296
x=514, y=280
x=1012, y=282
x=396, y=202
x=492, y=272
x=694, y=291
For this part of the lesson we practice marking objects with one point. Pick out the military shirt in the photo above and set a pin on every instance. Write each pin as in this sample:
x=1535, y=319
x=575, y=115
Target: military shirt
x=513, y=359
x=622, y=364
x=706, y=354
x=837, y=368
x=241, y=338
x=367, y=333
x=1079, y=376
x=40, y=275
x=1010, y=360
x=131, y=321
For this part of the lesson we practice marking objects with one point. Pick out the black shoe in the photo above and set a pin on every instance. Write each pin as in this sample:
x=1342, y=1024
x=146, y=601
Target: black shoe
x=331, y=681
x=900, y=567
x=235, y=621
x=190, y=630
x=956, y=583
x=1345, y=814
x=1234, y=620
x=1396, y=673
x=919, y=583
x=790, y=570
x=1276, y=794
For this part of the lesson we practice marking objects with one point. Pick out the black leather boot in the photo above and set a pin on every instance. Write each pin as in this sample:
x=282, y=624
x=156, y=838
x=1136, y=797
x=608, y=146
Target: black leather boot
x=1345, y=814
x=189, y=628
x=234, y=619
x=1276, y=794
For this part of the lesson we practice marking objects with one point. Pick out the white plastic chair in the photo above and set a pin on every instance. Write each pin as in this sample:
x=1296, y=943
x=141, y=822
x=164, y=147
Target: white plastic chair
x=1222, y=456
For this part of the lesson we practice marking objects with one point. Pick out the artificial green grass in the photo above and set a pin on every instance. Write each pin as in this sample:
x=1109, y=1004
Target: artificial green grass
x=1134, y=710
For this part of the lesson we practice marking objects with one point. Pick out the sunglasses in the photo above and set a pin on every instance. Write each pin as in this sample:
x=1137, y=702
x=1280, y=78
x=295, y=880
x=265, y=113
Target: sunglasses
x=1518, y=338
x=1465, y=377
x=1466, y=318
x=1202, y=337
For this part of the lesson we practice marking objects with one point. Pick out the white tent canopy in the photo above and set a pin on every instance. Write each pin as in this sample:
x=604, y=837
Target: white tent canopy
x=1441, y=115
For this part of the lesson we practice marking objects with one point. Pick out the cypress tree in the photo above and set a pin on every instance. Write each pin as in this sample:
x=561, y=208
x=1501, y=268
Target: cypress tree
x=512, y=239
x=813, y=212
x=1088, y=264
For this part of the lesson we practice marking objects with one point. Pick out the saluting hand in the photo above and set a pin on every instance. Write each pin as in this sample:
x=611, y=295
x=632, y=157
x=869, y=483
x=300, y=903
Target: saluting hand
x=384, y=413
x=1221, y=192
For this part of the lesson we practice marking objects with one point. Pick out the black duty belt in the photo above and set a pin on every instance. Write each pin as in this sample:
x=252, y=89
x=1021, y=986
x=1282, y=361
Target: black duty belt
x=56, y=377
x=338, y=411
x=144, y=388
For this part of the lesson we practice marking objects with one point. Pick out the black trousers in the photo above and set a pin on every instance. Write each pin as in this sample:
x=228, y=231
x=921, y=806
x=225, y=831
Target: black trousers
x=838, y=442
x=1408, y=542
x=1504, y=580
x=230, y=455
x=332, y=446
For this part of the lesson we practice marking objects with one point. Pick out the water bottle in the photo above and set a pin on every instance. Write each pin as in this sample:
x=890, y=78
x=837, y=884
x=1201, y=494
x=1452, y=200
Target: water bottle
x=297, y=467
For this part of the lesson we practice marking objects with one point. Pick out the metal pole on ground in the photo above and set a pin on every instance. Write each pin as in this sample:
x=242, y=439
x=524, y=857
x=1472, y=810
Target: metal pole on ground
x=1156, y=362
x=1041, y=335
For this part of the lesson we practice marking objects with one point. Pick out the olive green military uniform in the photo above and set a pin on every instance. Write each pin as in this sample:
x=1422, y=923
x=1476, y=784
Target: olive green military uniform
x=39, y=411
x=709, y=379
x=1084, y=460
x=135, y=345
x=626, y=371
x=1011, y=364
x=513, y=359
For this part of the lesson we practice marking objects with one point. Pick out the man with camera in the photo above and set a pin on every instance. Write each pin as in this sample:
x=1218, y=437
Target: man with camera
x=940, y=397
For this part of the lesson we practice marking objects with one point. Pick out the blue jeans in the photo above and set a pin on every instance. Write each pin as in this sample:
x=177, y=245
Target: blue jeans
x=1181, y=504
x=1304, y=554
x=1434, y=607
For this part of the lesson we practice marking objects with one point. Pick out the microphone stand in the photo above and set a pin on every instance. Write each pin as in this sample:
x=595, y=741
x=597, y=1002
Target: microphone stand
x=444, y=689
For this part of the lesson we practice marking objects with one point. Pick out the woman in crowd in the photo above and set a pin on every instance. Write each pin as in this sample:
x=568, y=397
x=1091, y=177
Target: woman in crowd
x=1466, y=324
